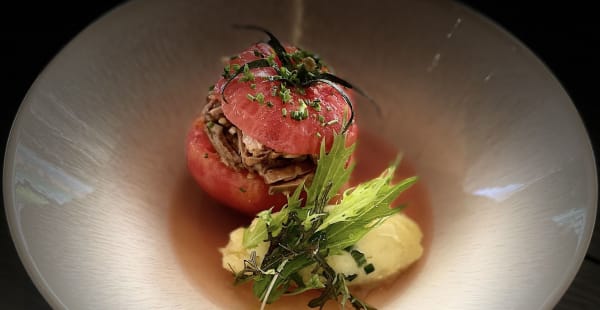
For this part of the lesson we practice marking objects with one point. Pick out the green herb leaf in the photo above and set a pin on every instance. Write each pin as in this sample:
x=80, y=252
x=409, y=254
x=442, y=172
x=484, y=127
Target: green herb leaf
x=299, y=237
x=331, y=168
x=257, y=232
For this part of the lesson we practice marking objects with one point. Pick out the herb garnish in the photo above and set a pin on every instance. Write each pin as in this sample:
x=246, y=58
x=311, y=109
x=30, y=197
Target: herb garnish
x=301, y=238
x=299, y=69
x=301, y=113
x=285, y=93
x=248, y=76
x=260, y=98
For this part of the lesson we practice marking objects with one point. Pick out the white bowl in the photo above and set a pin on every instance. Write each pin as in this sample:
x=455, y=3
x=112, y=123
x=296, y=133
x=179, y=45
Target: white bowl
x=105, y=216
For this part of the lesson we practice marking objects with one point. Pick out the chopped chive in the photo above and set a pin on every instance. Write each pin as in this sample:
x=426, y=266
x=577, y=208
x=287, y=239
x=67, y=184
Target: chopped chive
x=210, y=125
x=302, y=104
x=235, y=67
x=269, y=104
x=250, y=97
x=243, y=190
x=318, y=134
x=274, y=77
x=331, y=122
x=284, y=93
x=351, y=277
x=248, y=76
x=253, y=86
x=284, y=112
x=226, y=74
x=301, y=113
x=369, y=268
x=358, y=257
x=315, y=104
x=257, y=53
x=274, y=91
x=260, y=98
x=271, y=60
x=321, y=119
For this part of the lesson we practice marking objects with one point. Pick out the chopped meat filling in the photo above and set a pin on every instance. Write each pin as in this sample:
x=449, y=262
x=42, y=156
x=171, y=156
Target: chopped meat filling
x=282, y=172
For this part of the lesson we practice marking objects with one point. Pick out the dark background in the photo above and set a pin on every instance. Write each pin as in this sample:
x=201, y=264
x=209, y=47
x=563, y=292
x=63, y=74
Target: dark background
x=564, y=35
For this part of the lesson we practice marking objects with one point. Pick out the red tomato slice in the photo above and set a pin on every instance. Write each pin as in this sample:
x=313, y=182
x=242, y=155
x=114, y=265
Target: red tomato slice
x=229, y=187
x=271, y=124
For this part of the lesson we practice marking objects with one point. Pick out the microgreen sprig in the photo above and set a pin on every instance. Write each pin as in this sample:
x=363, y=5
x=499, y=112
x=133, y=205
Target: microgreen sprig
x=303, y=237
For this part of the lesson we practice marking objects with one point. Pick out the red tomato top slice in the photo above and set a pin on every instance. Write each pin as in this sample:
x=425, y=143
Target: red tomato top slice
x=270, y=121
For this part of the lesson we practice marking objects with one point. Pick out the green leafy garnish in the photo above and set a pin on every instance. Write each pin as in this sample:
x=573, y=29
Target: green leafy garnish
x=302, y=237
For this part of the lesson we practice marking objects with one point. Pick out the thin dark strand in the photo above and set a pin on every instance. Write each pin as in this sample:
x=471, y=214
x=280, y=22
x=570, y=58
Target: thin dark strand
x=258, y=63
x=337, y=79
x=273, y=42
x=285, y=61
x=345, y=96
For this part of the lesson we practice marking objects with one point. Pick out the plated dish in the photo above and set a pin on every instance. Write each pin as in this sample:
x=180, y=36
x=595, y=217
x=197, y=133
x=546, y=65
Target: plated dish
x=105, y=214
x=291, y=171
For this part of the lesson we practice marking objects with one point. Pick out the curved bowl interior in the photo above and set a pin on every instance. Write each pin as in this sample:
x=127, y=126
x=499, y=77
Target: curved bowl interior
x=95, y=168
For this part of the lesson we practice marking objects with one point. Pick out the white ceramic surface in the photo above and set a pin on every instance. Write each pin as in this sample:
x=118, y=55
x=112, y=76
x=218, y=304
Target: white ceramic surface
x=95, y=160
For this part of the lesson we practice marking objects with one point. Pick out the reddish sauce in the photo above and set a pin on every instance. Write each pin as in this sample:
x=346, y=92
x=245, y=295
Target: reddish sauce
x=200, y=226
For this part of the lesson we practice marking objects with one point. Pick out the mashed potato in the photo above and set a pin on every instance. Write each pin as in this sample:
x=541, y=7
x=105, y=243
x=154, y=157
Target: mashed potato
x=390, y=247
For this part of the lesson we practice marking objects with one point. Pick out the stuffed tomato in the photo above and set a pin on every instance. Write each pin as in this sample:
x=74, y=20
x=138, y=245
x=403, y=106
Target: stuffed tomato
x=259, y=134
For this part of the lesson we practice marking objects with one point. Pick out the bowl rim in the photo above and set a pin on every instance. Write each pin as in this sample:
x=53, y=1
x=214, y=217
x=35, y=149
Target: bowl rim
x=54, y=300
x=576, y=264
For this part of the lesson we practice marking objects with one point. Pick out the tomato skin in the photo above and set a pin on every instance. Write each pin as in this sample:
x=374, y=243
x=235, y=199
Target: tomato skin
x=227, y=186
x=268, y=125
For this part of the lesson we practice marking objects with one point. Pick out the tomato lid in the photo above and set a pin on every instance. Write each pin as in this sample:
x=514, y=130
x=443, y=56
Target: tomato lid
x=288, y=119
